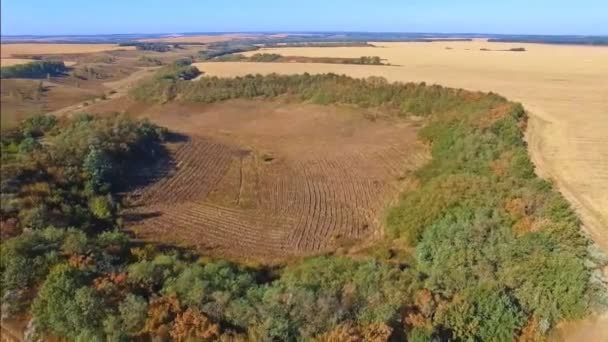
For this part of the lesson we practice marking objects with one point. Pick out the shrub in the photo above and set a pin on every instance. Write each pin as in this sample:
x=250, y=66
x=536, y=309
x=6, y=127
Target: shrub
x=65, y=306
x=133, y=312
x=483, y=314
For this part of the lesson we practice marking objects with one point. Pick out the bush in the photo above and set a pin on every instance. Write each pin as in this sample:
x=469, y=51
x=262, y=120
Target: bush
x=482, y=314
x=65, y=306
x=133, y=312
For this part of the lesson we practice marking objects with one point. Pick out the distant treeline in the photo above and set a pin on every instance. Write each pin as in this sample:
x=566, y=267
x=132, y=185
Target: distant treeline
x=225, y=48
x=566, y=40
x=518, y=49
x=148, y=46
x=37, y=69
x=277, y=58
x=318, y=44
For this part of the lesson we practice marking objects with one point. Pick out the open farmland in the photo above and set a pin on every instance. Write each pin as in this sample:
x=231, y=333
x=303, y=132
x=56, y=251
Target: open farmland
x=14, y=61
x=564, y=87
x=275, y=179
x=19, y=49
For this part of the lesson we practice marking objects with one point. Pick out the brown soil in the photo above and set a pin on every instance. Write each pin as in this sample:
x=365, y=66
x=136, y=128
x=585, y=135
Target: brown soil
x=267, y=180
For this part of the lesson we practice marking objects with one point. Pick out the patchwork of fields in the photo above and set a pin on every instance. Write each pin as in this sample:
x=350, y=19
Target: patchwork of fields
x=565, y=88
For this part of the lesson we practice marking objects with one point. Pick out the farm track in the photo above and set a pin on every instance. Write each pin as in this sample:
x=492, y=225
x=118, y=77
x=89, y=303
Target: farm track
x=228, y=200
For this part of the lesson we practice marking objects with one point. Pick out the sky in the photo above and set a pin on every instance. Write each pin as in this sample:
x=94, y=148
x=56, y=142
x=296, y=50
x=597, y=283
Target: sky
x=71, y=17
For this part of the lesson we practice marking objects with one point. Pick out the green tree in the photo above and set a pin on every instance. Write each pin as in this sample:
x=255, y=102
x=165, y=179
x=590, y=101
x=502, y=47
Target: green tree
x=65, y=305
x=101, y=207
x=98, y=166
x=482, y=314
x=133, y=312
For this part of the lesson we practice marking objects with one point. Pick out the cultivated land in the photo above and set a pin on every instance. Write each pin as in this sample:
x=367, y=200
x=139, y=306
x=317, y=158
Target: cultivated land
x=276, y=180
x=10, y=50
x=565, y=88
x=14, y=61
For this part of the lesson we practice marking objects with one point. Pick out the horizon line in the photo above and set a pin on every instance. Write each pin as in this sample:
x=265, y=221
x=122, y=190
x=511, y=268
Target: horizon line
x=303, y=32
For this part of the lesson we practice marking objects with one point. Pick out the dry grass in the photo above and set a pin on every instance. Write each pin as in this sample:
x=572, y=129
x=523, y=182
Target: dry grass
x=9, y=50
x=564, y=87
x=20, y=98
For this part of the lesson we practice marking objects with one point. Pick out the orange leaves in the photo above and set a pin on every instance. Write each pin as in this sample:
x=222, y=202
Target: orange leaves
x=521, y=211
x=166, y=318
x=419, y=315
x=194, y=324
x=80, y=261
x=352, y=333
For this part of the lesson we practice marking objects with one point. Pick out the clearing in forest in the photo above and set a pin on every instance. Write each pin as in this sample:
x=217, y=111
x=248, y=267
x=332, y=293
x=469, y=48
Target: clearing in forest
x=273, y=180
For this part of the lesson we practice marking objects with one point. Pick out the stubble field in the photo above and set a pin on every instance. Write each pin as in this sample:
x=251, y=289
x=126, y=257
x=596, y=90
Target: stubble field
x=11, y=50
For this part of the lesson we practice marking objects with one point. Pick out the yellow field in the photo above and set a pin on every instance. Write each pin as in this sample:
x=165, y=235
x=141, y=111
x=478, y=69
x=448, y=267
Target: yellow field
x=564, y=87
x=9, y=50
x=16, y=61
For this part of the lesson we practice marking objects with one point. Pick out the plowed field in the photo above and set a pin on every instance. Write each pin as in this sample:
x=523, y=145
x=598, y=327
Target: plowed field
x=268, y=180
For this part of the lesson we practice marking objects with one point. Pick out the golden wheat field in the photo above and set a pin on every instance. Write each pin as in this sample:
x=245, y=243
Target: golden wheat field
x=16, y=61
x=10, y=50
x=565, y=88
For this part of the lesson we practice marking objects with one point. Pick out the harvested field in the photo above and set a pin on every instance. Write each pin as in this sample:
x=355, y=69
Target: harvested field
x=10, y=50
x=564, y=87
x=14, y=61
x=276, y=180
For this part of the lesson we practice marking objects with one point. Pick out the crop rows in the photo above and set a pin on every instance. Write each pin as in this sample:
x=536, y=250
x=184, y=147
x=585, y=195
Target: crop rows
x=199, y=165
x=281, y=207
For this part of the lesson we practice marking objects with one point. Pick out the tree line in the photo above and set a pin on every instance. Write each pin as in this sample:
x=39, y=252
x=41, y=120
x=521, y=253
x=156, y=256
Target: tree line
x=36, y=69
x=149, y=46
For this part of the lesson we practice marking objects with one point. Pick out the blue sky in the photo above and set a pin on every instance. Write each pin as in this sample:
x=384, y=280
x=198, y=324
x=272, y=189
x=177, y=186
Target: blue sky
x=54, y=17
